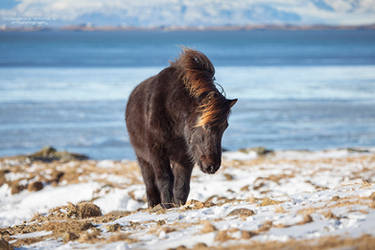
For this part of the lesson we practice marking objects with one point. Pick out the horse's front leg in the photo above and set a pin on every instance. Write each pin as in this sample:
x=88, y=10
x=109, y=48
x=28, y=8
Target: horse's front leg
x=181, y=185
x=164, y=180
x=152, y=191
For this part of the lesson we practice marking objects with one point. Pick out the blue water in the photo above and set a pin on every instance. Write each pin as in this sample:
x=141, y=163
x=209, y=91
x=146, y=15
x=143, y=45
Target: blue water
x=296, y=89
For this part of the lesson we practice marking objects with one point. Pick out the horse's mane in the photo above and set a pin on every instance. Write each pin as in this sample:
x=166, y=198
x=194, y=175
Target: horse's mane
x=197, y=74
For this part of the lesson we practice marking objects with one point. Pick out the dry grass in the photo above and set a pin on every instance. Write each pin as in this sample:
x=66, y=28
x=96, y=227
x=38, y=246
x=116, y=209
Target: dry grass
x=84, y=222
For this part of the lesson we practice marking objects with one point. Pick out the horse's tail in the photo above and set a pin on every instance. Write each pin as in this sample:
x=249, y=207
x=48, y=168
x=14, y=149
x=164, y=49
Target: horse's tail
x=196, y=70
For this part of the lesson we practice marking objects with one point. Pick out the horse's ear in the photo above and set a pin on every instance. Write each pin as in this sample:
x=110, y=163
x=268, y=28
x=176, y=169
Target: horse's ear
x=232, y=102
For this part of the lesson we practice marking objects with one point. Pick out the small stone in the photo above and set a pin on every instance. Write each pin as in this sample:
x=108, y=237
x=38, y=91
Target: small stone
x=56, y=176
x=247, y=235
x=330, y=215
x=15, y=188
x=178, y=248
x=113, y=227
x=261, y=151
x=223, y=236
x=228, y=177
x=181, y=247
x=161, y=222
x=195, y=204
x=168, y=229
x=69, y=236
x=306, y=219
x=209, y=204
x=85, y=226
x=267, y=202
x=200, y=245
x=88, y=209
x=243, y=212
x=267, y=225
x=208, y=227
x=35, y=186
x=335, y=198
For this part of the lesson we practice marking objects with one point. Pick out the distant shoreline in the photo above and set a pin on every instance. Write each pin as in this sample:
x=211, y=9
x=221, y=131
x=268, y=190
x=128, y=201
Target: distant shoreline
x=88, y=27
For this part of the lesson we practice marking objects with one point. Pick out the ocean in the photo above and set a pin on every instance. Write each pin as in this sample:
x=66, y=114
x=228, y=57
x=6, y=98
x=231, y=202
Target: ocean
x=297, y=89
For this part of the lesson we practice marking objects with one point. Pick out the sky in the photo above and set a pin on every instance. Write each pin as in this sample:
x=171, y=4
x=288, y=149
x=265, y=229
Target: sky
x=152, y=13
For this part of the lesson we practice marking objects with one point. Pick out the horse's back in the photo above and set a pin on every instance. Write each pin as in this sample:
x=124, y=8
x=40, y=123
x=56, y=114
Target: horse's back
x=135, y=114
x=146, y=115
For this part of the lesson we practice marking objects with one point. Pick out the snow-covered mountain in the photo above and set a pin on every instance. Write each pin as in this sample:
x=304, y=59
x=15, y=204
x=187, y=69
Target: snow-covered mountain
x=150, y=13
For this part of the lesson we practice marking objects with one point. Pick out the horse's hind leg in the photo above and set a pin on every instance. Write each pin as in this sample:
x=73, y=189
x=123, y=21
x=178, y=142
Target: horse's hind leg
x=181, y=186
x=152, y=191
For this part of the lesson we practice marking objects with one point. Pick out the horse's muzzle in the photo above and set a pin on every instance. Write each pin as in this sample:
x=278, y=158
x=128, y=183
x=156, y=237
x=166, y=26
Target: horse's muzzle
x=208, y=167
x=211, y=169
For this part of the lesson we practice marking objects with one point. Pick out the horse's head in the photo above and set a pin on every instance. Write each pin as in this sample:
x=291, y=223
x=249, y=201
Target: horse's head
x=209, y=119
x=206, y=134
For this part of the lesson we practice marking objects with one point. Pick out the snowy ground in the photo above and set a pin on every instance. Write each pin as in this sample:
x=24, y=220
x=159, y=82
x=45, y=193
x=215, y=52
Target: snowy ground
x=282, y=199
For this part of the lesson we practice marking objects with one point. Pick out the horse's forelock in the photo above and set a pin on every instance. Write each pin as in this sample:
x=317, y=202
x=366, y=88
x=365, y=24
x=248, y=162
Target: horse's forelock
x=214, y=110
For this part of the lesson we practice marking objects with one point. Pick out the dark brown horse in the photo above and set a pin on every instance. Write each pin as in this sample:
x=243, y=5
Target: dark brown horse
x=176, y=119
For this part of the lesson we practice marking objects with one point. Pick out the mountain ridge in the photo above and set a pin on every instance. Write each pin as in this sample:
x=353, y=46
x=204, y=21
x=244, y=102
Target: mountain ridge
x=184, y=13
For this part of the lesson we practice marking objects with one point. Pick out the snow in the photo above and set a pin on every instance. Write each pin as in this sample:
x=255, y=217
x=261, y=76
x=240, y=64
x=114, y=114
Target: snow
x=14, y=209
x=296, y=184
x=190, y=13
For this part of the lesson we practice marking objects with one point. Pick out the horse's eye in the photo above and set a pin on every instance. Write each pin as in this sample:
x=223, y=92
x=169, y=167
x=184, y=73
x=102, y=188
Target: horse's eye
x=207, y=128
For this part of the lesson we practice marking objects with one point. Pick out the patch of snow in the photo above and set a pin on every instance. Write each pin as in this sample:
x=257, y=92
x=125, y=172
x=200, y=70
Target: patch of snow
x=22, y=206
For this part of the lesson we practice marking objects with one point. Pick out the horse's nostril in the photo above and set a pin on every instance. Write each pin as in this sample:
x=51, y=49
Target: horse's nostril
x=211, y=169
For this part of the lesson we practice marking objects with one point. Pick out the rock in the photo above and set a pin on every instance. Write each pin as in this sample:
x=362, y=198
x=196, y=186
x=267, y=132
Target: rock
x=85, y=226
x=88, y=209
x=168, y=230
x=208, y=228
x=243, y=212
x=195, y=204
x=228, y=177
x=56, y=176
x=335, y=198
x=35, y=186
x=113, y=227
x=69, y=236
x=15, y=187
x=268, y=202
x=330, y=215
x=200, y=245
x=259, y=150
x=223, y=236
x=181, y=247
x=178, y=248
x=357, y=150
x=247, y=235
x=306, y=219
x=48, y=154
